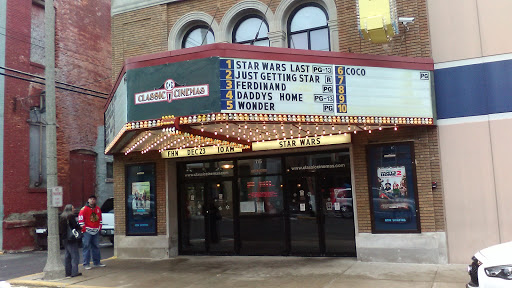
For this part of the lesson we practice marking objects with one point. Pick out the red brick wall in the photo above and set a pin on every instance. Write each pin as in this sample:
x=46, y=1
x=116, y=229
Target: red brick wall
x=82, y=59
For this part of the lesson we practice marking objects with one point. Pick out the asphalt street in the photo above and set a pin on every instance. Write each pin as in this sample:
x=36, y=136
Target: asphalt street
x=13, y=265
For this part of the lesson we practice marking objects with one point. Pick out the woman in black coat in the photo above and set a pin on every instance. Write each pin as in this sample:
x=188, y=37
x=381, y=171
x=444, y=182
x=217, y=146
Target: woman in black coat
x=72, y=258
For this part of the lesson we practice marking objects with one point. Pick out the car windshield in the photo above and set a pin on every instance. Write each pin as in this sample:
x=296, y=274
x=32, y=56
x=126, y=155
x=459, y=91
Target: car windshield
x=108, y=206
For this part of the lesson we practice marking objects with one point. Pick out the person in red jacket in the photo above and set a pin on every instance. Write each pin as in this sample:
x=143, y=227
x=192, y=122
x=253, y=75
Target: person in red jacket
x=89, y=219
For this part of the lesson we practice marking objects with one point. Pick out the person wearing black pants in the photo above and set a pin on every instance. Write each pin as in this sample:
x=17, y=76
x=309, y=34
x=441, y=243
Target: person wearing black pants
x=72, y=257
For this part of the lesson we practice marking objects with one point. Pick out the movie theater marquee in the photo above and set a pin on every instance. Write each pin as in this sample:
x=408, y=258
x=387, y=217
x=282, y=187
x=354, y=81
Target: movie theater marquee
x=307, y=88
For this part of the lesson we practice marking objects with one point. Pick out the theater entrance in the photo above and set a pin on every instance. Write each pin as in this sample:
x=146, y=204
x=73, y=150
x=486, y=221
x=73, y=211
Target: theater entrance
x=297, y=204
x=320, y=214
x=207, y=212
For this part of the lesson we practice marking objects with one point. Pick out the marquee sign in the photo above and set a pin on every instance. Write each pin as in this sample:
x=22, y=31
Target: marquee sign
x=265, y=86
x=259, y=87
x=171, y=92
x=202, y=151
x=301, y=142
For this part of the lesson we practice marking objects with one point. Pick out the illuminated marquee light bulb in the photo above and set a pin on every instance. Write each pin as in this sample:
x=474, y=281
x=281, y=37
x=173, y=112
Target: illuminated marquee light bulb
x=396, y=128
x=349, y=127
x=355, y=131
x=220, y=130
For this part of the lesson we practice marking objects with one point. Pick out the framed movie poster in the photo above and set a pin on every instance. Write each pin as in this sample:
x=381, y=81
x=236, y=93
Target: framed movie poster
x=392, y=188
x=140, y=199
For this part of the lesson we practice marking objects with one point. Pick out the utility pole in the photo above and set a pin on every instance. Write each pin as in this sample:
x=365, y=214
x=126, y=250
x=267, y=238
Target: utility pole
x=54, y=268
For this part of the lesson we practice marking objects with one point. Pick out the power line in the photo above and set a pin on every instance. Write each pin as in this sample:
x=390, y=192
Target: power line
x=66, y=51
x=58, y=87
x=259, y=28
x=210, y=25
x=58, y=82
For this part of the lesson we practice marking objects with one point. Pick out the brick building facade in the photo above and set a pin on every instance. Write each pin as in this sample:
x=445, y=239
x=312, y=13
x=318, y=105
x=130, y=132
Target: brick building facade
x=143, y=32
x=82, y=59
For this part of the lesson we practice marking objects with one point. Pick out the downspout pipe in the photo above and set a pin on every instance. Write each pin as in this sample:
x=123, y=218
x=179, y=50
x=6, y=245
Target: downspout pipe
x=3, y=32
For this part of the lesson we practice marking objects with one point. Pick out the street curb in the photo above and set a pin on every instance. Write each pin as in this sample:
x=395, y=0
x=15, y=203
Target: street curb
x=36, y=283
x=42, y=283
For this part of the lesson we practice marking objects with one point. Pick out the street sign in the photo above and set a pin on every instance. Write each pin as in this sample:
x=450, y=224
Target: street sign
x=57, y=196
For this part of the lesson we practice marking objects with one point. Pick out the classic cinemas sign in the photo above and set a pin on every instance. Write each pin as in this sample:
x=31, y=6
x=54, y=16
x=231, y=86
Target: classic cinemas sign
x=301, y=142
x=171, y=92
x=202, y=151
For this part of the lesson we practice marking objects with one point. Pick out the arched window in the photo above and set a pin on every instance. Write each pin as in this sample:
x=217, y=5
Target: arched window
x=308, y=29
x=197, y=36
x=251, y=30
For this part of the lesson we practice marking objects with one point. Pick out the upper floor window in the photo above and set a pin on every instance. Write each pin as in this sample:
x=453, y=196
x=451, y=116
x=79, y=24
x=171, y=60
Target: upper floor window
x=251, y=30
x=197, y=36
x=37, y=33
x=308, y=29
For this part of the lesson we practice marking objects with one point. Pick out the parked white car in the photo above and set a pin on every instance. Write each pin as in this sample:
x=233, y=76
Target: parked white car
x=107, y=215
x=492, y=267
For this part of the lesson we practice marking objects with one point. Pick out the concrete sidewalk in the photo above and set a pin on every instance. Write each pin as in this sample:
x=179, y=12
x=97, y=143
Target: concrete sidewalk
x=241, y=271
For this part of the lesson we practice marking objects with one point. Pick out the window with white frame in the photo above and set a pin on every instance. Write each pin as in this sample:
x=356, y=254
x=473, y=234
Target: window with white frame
x=197, y=36
x=308, y=29
x=251, y=30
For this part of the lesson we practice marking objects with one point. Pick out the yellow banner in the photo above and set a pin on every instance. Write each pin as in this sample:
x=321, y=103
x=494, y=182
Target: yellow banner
x=210, y=150
x=302, y=142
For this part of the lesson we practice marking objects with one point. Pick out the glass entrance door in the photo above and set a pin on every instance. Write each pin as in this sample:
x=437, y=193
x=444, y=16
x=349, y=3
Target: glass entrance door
x=207, y=218
x=303, y=215
x=220, y=232
x=193, y=229
x=337, y=214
